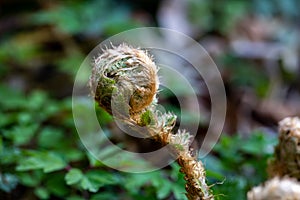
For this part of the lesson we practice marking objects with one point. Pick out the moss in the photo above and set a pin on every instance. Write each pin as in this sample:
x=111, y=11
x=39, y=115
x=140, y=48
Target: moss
x=147, y=118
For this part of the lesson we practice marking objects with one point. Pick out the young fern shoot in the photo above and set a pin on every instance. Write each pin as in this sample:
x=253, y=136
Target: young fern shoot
x=286, y=161
x=124, y=82
x=284, y=167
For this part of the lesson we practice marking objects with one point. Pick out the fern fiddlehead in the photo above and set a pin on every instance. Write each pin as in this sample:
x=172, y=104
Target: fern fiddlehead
x=124, y=82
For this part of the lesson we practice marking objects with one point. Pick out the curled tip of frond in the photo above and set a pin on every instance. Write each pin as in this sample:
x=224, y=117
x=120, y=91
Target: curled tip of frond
x=127, y=72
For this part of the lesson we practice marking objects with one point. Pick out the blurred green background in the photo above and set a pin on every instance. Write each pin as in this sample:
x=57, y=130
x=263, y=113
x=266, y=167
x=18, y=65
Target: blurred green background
x=255, y=45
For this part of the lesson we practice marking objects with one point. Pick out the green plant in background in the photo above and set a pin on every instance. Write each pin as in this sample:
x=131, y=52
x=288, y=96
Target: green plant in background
x=216, y=15
x=88, y=17
x=58, y=26
x=222, y=16
x=40, y=151
x=245, y=74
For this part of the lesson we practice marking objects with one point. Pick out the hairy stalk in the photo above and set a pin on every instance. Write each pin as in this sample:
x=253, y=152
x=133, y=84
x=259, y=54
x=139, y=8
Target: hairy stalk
x=286, y=159
x=284, y=168
x=124, y=82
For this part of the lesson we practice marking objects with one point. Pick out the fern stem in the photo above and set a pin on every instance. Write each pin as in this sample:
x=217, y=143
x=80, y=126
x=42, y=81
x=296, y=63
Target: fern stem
x=124, y=82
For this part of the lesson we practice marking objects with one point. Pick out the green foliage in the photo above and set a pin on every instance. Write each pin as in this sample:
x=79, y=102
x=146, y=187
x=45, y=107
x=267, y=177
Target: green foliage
x=20, y=49
x=216, y=15
x=76, y=17
x=222, y=15
x=35, y=153
x=146, y=118
x=245, y=74
x=73, y=176
x=48, y=161
x=239, y=164
x=160, y=185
